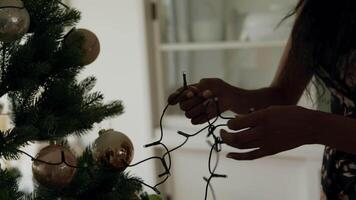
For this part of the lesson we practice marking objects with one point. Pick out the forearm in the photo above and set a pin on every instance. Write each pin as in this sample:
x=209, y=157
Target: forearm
x=290, y=81
x=245, y=100
x=336, y=131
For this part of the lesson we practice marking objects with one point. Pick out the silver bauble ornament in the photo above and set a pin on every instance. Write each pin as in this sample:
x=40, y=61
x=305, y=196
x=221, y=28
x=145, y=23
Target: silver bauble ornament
x=54, y=176
x=14, y=20
x=113, y=149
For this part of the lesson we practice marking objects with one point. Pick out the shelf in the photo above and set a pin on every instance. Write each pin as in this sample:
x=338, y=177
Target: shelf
x=226, y=45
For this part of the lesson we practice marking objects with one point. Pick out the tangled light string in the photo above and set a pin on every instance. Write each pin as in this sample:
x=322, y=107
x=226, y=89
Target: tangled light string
x=215, y=147
x=211, y=128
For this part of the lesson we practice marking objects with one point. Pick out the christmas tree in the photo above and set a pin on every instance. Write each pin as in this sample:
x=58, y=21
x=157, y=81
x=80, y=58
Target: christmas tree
x=41, y=55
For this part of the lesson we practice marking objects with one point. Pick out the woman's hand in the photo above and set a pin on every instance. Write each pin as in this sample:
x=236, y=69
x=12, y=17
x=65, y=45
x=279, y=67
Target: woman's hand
x=203, y=101
x=272, y=131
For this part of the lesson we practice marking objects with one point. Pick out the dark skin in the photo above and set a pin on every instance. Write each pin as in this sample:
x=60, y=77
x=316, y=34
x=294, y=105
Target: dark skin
x=277, y=124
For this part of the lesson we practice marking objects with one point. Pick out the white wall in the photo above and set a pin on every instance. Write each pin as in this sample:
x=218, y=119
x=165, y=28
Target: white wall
x=122, y=68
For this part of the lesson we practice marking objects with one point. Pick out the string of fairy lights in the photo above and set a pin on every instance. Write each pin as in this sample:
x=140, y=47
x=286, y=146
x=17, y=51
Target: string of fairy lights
x=166, y=158
x=215, y=146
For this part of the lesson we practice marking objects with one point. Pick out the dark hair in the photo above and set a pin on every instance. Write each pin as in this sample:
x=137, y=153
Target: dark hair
x=323, y=31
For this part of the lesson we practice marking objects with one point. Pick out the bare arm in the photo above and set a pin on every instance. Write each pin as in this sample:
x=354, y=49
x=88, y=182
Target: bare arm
x=287, y=87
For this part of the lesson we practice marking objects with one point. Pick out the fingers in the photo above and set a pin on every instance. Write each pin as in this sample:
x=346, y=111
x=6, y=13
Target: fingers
x=172, y=99
x=205, y=86
x=203, y=118
x=200, y=119
x=182, y=94
x=252, y=155
x=199, y=107
x=247, y=139
x=246, y=121
x=191, y=103
x=198, y=104
x=207, y=94
x=196, y=111
x=204, y=112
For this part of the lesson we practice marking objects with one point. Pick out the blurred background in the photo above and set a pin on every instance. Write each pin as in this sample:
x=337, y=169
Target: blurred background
x=146, y=45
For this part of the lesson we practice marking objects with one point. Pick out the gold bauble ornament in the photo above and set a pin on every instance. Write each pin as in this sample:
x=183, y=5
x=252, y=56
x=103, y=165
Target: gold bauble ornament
x=90, y=45
x=54, y=176
x=113, y=149
x=14, y=20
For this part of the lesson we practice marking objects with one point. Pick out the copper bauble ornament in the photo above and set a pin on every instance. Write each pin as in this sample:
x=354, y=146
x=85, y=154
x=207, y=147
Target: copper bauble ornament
x=90, y=44
x=14, y=20
x=113, y=149
x=53, y=176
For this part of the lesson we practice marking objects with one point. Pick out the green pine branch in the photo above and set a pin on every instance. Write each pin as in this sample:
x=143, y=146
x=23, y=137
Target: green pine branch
x=42, y=56
x=40, y=79
x=12, y=140
x=8, y=185
x=63, y=107
x=39, y=74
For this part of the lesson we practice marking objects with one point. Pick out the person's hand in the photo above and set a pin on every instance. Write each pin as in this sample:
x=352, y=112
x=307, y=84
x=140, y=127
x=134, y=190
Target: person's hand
x=271, y=131
x=203, y=101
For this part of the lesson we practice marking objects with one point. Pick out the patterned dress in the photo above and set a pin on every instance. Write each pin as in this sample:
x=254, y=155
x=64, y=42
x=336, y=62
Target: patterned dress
x=339, y=168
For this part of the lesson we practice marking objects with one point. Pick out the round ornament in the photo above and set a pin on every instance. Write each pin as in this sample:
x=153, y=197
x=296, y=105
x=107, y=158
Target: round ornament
x=113, y=149
x=52, y=176
x=14, y=20
x=90, y=45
